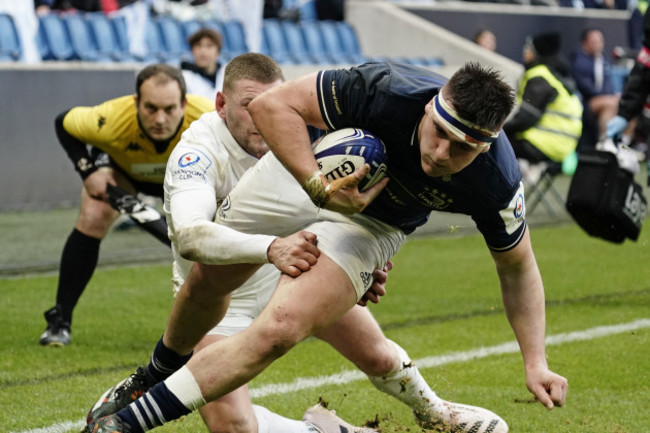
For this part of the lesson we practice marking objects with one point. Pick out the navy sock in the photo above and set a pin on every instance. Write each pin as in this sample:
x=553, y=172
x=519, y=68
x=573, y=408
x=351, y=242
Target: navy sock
x=164, y=362
x=153, y=409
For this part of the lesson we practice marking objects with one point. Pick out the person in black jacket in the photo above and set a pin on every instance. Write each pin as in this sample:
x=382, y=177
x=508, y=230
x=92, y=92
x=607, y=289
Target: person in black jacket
x=635, y=99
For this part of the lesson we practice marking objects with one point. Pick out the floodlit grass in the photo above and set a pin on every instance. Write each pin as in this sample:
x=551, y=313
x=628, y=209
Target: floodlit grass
x=443, y=298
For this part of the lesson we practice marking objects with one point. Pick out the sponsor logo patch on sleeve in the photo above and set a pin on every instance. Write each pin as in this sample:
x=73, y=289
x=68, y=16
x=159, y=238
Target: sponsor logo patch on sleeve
x=192, y=164
x=513, y=215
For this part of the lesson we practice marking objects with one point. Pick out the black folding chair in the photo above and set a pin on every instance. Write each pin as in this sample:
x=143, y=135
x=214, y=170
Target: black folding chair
x=539, y=191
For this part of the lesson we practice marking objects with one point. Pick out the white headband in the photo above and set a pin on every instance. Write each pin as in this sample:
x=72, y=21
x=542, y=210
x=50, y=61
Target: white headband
x=467, y=131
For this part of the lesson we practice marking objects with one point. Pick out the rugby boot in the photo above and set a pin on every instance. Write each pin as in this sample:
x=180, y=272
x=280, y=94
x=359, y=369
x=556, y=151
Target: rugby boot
x=462, y=418
x=121, y=395
x=57, y=333
x=326, y=421
x=108, y=424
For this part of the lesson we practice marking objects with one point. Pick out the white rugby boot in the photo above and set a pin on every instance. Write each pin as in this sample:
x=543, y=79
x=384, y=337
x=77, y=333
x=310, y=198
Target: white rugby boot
x=326, y=421
x=461, y=418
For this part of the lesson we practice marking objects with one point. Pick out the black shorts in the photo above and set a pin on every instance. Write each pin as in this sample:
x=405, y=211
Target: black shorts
x=102, y=159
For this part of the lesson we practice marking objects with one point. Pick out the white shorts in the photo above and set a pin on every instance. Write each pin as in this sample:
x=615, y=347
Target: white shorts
x=248, y=301
x=269, y=200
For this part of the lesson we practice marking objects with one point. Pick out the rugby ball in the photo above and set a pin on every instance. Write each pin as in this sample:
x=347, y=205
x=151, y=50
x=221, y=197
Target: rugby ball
x=339, y=153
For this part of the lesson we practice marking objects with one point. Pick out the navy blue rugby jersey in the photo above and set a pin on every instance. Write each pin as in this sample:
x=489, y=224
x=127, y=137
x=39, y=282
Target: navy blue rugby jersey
x=388, y=100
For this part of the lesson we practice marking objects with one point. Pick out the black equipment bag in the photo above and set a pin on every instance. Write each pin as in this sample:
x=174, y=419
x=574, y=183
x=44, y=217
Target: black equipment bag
x=604, y=199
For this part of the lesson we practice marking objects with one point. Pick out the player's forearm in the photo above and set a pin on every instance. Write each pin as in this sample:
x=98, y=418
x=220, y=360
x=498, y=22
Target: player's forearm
x=523, y=298
x=199, y=239
x=524, y=304
x=214, y=244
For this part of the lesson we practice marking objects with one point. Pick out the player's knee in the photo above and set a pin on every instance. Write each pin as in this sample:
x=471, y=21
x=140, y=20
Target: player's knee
x=279, y=336
x=378, y=360
x=95, y=219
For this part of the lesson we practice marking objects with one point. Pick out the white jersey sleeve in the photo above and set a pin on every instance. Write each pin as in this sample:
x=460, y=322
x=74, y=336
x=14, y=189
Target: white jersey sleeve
x=201, y=171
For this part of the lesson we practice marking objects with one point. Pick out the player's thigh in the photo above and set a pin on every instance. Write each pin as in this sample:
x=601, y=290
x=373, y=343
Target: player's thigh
x=304, y=305
x=247, y=302
x=232, y=412
x=217, y=279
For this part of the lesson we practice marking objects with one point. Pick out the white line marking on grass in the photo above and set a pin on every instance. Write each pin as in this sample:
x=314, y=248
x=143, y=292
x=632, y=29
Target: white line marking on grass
x=303, y=383
x=436, y=361
x=59, y=428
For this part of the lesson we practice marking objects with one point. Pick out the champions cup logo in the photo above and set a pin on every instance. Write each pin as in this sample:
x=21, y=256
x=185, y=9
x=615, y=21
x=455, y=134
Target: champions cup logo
x=188, y=159
x=519, y=206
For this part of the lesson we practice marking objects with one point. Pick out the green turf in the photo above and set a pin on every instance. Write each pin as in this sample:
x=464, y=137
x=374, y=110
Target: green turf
x=442, y=297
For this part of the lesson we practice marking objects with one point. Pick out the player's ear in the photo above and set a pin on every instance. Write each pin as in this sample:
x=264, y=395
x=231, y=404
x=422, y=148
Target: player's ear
x=220, y=104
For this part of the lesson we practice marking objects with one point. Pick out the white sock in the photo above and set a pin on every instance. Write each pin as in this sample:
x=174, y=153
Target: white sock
x=408, y=386
x=183, y=385
x=270, y=422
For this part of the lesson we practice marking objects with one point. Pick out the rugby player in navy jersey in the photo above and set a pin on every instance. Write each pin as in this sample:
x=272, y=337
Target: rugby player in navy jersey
x=446, y=153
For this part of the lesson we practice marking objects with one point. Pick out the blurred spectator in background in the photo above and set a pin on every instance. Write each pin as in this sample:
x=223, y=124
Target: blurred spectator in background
x=548, y=122
x=22, y=12
x=486, y=39
x=135, y=12
x=330, y=9
x=592, y=73
x=204, y=76
x=635, y=99
x=249, y=13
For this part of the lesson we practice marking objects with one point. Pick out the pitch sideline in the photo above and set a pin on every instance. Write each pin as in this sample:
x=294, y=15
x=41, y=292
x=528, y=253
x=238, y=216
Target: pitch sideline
x=302, y=383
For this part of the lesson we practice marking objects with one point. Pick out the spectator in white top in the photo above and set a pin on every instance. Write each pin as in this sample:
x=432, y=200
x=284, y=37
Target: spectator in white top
x=204, y=76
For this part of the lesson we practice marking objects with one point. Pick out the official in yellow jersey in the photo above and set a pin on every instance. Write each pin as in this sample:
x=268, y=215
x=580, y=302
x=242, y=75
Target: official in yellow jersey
x=548, y=123
x=124, y=142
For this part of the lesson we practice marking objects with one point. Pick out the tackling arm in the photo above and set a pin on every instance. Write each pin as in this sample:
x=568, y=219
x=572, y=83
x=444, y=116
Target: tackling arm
x=523, y=299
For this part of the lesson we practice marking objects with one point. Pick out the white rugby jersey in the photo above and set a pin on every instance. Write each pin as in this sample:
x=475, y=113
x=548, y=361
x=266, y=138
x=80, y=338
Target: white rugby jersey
x=203, y=168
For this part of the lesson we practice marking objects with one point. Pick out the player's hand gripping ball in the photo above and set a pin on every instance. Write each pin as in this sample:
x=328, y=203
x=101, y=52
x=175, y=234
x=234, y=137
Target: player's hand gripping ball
x=340, y=153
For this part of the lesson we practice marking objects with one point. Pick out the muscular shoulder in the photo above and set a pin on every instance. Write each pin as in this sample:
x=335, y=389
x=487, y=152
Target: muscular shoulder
x=197, y=105
x=101, y=122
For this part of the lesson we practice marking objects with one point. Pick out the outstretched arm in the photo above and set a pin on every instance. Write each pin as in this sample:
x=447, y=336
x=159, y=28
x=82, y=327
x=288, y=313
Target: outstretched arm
x=523, y=299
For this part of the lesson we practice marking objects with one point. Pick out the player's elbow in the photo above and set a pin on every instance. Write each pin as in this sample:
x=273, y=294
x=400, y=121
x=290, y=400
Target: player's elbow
x=190, y=243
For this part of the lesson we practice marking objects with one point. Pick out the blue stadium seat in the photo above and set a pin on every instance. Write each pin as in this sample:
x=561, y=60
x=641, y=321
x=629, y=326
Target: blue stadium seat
x=172, y=37
x=55, y=38
x=314, y=42
x=308, y=10
x=334, y=45
x=41, y=45
x=79, y=33
x=155, y=47
x=104, y=37
x=235, y=38
x=297, y=45
x=349, y=40
x=10, y=48
x=274, y=43
x=190, y=27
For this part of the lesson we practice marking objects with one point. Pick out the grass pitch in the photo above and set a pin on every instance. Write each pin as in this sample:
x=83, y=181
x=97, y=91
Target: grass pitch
x=443, y=298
